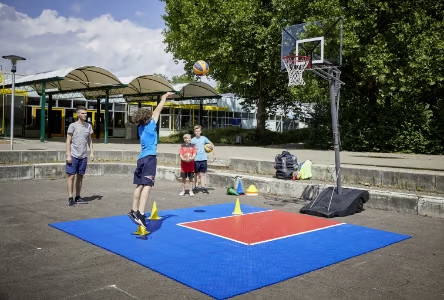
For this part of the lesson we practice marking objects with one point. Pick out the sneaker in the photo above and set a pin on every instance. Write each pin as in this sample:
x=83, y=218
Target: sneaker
x=196, y=189
x=140, y=219
x=80, y=200
x=133, y=217
x=204, y=190
x=191, y=193
x=71, y=201
x=182, y=193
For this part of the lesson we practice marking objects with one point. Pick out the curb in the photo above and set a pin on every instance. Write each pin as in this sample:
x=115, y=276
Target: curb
x=393, y=201
x=370, y=176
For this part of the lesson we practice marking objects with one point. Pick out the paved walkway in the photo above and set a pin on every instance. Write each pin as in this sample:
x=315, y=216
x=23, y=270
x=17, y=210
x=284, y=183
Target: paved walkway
x=40, y=262
x=319, y=157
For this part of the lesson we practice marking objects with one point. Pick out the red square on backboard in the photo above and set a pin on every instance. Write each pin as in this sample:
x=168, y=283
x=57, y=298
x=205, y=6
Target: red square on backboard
x=260, y=227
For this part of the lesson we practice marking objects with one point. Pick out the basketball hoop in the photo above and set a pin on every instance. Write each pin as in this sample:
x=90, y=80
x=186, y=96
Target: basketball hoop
x=295, y=66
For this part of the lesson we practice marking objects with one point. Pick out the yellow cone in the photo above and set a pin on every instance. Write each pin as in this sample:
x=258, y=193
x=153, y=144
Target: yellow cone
x=251, y=191
x=237, y=209
x=141, y=230
x=154, y=215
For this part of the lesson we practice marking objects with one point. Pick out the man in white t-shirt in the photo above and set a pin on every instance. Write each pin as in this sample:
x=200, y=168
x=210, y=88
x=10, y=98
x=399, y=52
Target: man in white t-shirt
x=78, y=139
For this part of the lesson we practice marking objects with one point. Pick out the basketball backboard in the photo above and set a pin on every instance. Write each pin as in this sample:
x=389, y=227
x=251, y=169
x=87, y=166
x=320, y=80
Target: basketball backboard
x=320, y=40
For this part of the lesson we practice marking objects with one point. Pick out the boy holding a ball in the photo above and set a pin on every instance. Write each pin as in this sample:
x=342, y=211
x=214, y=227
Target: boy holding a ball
x=200, y=164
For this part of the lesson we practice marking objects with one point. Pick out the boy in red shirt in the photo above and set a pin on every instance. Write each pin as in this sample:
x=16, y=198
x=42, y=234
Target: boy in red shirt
x=187, y=153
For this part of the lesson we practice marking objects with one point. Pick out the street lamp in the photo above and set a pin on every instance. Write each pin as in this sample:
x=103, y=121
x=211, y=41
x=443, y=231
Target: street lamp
x=13, y=59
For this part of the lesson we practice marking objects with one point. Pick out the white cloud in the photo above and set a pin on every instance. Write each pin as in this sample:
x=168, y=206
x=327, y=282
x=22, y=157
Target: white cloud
x=51, y=42
x=140, y=14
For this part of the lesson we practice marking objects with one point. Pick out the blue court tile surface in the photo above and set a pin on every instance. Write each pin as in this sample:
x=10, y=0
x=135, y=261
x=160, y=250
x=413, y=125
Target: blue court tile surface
x=221, y=267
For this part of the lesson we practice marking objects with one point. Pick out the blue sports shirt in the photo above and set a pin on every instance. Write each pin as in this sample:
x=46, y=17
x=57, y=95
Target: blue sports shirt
x=148, y=138
x=200, y=143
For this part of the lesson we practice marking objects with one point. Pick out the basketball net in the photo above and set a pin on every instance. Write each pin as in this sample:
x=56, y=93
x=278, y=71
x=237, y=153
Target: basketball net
x=295, y=66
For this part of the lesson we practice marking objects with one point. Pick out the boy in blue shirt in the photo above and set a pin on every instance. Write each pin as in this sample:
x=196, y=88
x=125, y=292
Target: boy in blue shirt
x=200, y=161
x=147, y=162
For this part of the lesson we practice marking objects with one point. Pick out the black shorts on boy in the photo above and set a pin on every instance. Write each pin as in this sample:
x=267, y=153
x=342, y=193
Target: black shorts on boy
x=145, y=172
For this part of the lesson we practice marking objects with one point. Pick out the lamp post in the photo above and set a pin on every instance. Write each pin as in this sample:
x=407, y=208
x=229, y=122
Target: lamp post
x=13, y=59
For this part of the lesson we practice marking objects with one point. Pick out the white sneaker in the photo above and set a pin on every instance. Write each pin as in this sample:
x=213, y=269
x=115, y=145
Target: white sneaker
x=191, y=193
x=182, y=193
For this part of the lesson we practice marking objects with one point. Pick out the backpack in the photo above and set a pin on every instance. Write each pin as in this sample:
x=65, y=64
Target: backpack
x=285, y=164
x=304, y=171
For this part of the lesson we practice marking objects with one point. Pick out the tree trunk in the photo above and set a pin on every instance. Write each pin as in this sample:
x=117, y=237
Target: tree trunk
x=260, y=116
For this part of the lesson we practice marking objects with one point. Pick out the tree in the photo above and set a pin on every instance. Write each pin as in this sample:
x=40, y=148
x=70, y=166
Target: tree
x=393, y=69
x=161, y=76
x=184, y=78
x=393, y=63
x=239, y=40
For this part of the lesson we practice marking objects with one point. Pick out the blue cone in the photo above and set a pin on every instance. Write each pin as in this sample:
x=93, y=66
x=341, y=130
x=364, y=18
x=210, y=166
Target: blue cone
x=240, y=189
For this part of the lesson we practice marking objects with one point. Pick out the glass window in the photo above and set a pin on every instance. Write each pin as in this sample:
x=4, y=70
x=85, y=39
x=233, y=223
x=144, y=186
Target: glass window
x=244, y=115
x=251, y=116
x=237, y=115
x=165, y=111
x=185, y=122
x=204, y=122
x=119, y=119
x=185, y=112
x=65, y=103
x=78, y=103
x=119, y=107
x=165, y=121
x=91, y=105
x=35, y=101
x=221, y=114
x=102, y=106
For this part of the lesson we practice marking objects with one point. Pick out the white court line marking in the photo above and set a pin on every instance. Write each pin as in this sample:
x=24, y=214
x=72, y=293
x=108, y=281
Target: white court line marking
x=184, y=224
x=210, y=233
x=299, y=233
x=113, y=286
x=233, y=216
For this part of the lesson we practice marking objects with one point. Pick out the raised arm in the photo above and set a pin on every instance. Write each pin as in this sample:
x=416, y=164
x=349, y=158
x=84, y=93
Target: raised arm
x=156, y=112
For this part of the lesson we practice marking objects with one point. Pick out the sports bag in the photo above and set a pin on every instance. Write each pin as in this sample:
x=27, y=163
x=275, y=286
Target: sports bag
x=285, y=164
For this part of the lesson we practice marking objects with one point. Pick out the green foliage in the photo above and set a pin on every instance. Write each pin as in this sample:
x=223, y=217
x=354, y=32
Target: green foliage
x=185, y=78
x=249, y=137
x=161, y=76
x=393, y=65
x=241, y=42
x=393, y=72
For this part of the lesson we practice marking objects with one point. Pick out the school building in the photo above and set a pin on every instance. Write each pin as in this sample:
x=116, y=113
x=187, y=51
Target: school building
x=211, y=112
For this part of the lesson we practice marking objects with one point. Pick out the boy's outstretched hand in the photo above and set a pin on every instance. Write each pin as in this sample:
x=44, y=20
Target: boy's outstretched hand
x=169, y=94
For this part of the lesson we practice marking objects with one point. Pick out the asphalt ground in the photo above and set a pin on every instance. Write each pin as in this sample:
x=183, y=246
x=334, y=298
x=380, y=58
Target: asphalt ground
x=40, y=262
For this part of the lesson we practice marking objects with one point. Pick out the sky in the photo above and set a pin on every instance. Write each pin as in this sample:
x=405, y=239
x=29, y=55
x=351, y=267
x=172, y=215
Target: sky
x=123, y=37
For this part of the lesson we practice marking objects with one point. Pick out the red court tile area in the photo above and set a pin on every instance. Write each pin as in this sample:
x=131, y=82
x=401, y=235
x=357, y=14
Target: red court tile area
x=260, y=227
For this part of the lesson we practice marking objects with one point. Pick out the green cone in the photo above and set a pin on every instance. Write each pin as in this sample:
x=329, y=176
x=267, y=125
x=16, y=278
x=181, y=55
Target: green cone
x=232, y=191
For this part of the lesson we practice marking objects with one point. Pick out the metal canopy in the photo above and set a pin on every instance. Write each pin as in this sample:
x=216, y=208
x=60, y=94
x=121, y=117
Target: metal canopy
x=142, y=87
x=70, y=80
x=93, y=82
x=196, y=90
x=137, y=89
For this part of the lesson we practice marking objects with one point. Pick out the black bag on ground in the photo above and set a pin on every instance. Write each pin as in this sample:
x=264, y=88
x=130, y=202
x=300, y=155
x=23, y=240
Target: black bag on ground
x=285, y=164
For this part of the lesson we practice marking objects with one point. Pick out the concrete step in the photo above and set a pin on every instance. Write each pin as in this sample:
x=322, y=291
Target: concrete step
x=306, y=190
x=427, y=181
